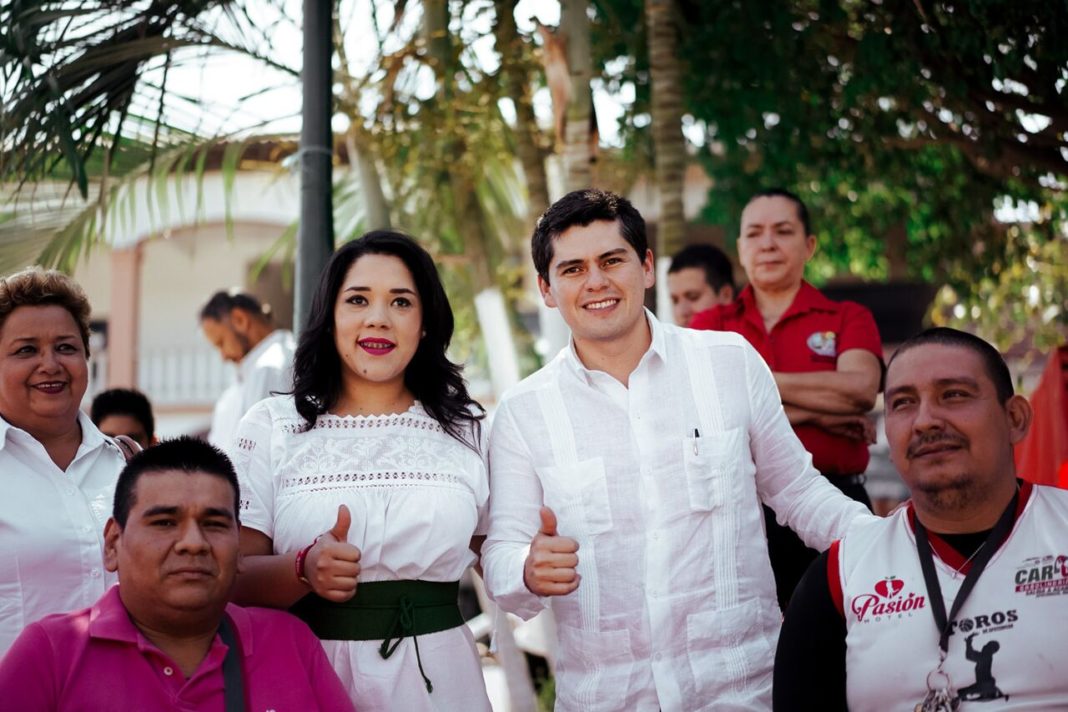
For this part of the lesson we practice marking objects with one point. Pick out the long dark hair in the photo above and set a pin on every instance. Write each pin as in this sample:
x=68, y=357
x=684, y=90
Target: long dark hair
x=434, y=380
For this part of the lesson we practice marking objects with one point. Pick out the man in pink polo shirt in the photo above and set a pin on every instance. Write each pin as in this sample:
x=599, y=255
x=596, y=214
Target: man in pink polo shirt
x=166, y=636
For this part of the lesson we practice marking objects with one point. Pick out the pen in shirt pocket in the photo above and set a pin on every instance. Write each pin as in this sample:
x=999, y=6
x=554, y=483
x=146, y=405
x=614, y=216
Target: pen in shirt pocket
x=696, y=435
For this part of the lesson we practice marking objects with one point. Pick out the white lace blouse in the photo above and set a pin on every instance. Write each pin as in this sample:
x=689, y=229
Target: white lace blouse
x=417, y=496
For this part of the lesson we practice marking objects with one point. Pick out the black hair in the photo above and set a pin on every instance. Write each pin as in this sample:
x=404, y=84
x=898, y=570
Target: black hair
x=123, y=401
x=185, y=454
x=716, y=265
x=580, y=208
x=223, y=302
x=435, y=381
x=994, y=364
x=802, y=209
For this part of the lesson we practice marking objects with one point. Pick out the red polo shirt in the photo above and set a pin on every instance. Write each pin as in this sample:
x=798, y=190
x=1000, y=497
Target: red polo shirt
x=808, y=337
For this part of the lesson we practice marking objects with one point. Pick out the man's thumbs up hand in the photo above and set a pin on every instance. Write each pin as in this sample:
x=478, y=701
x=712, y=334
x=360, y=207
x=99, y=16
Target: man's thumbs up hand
x=332, y=565
x=548, y=522
x=550, y=568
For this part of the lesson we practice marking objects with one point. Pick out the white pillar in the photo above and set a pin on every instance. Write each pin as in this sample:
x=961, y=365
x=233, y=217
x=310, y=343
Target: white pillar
x=663, y=294
x=124, y=318
x=497, y=335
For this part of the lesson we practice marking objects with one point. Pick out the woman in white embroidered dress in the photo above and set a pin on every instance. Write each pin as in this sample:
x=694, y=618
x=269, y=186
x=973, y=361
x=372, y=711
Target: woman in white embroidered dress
x=364, y=492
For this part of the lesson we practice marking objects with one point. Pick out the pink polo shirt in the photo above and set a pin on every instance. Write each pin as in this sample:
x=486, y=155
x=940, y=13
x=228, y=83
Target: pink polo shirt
x=96, y=659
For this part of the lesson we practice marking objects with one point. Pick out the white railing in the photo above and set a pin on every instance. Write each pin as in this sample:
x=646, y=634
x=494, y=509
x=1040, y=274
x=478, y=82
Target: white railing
x=177, y=376
x=183, y=375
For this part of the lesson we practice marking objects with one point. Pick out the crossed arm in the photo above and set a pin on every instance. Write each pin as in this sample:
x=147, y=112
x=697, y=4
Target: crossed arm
x=837, y=400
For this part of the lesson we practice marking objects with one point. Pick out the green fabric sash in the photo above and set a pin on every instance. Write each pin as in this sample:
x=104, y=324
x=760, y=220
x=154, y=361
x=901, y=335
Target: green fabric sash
x=385, y=610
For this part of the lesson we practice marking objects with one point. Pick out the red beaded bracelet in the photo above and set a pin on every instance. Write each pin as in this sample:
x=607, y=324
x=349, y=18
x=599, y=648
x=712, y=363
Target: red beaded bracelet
x=298, y=563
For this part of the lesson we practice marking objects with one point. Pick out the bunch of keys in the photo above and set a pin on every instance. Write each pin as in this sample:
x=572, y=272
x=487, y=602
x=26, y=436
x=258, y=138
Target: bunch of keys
x=942, y=699
x=939, y=701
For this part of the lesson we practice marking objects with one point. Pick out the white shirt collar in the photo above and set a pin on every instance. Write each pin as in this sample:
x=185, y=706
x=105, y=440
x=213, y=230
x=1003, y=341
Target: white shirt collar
x=657, y=347
x=91, y=435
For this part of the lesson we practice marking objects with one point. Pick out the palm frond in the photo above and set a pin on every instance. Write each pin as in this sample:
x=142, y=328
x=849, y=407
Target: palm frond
x=74, y=71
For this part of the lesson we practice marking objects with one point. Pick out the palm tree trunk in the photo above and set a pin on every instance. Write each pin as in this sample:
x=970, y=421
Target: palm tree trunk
x=897, y=249
x=515, y=79
x=577, y=153
x=362, y=159
x=668, y=142
x=376, y=208
x=467, y=213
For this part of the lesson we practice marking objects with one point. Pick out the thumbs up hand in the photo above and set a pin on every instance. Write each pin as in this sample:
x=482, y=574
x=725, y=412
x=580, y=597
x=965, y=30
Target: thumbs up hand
x=550, y=568
x=332, y=565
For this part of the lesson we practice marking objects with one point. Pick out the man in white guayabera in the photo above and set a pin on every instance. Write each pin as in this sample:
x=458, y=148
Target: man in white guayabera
x=626, y=481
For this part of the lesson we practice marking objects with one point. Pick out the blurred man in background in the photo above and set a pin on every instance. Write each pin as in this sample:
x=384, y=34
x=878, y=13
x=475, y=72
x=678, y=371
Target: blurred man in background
x=699, y=278
x=242, y=330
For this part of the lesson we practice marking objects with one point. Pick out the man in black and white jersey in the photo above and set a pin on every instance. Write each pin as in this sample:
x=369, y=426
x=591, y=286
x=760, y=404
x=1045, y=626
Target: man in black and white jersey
x=961, y=596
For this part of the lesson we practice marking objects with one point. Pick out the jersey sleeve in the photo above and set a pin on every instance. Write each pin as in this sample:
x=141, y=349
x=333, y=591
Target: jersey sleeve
x=810, y=660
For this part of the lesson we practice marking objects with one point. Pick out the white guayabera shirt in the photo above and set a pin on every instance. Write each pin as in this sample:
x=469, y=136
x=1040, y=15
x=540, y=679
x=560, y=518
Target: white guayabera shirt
x=265, y=370
x=660, y=482
x=52, y=526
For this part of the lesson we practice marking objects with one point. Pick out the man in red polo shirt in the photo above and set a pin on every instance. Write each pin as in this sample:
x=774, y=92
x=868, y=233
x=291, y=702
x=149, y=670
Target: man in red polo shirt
x=826, y=356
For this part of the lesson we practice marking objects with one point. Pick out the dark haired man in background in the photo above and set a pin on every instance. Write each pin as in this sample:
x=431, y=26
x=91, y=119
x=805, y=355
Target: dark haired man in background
x=124, y=411
x=699, y=278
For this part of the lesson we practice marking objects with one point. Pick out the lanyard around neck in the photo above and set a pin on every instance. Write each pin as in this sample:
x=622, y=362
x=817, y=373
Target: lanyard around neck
x=982, y=558
x=233, y=678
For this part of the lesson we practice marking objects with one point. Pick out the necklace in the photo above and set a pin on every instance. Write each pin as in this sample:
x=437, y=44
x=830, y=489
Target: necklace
x=956, y=571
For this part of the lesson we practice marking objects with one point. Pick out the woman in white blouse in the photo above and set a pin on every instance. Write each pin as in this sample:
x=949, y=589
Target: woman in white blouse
x=364, y=492
x=57, y=470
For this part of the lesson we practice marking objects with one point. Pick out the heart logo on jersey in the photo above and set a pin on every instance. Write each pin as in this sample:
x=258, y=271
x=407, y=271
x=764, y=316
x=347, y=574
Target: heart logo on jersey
x=889, y=587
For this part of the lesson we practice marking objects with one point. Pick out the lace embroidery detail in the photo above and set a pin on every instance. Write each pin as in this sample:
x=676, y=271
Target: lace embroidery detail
x=372, y=423
x=397, y=451
x=246, y=444
x=350, y=477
